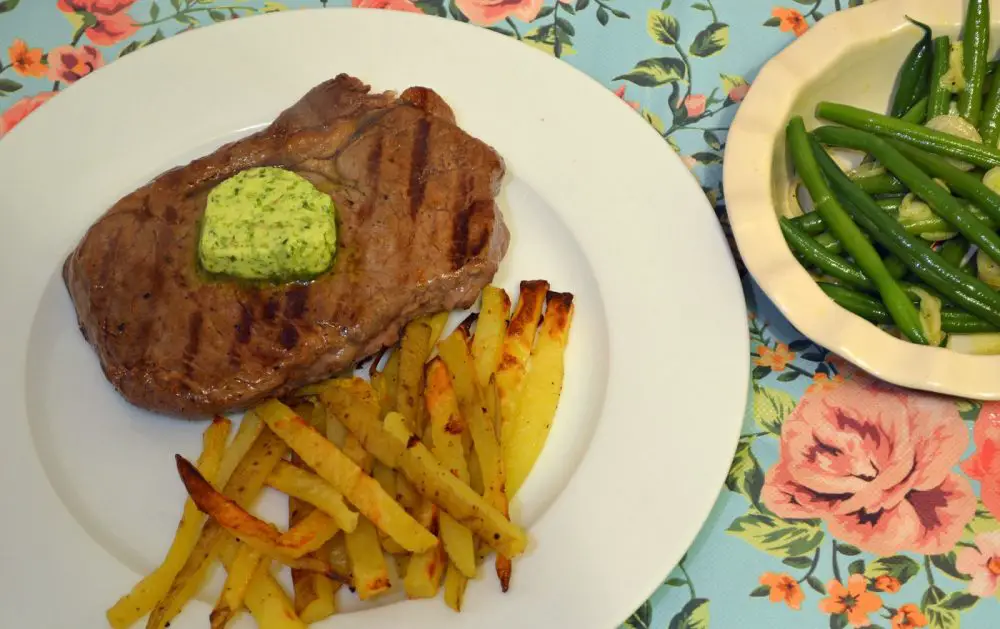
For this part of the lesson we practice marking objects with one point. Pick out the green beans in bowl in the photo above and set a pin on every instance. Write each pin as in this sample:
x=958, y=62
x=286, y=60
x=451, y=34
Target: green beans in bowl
x=862, y=179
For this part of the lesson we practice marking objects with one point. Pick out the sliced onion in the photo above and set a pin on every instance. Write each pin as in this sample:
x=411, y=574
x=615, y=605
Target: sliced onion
x=930, y=315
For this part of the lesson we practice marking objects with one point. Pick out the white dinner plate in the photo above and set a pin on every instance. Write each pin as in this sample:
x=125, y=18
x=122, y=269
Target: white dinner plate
x=597, y=204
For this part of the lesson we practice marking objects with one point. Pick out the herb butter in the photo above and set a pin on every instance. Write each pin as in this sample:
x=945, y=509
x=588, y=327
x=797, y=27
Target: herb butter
x=267, y=224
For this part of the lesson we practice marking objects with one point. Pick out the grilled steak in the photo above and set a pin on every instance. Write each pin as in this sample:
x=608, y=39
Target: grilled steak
x=418, y=233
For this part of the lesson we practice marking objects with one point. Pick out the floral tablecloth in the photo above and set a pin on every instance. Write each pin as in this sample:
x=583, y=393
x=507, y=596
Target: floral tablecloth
x=849, y=502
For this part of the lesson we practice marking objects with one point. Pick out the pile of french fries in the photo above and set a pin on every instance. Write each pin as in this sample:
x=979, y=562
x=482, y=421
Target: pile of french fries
x=416, y=466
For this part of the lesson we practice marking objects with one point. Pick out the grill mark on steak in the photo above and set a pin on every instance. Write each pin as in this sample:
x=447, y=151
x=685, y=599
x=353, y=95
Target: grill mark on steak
x=418, y=163
x=245, y=325
x=289, y=336
x=460, y=228
x=194, y=341
x=374, y=175
x=296, y=299
x=270, y=309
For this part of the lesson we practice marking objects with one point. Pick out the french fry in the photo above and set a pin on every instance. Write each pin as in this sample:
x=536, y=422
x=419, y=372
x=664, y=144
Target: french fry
x=436, y=483
x=251, y=530
x=490, y=330
x=144, y=596
x=337, y=548
x=305, y=486
x=437, y=323
x=313, y=592
x=247, y=434
x=525, y=436
x=386, y=477
x=239, y=573
x=454, y=588
x=447, y=428
x=361, y=490
x=516, y=350
x=368, y=567
x=265, y=599
x=458, y=358
x=413, y=351
x=391, y=375
x=424, y=572
x=243, y=486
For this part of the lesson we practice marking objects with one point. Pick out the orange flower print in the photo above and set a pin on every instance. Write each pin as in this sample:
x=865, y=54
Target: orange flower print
x=695, y=105
x=854, y=600
x=791, y=20
x=783, y=588
x=908, y=616
x=777, y=359
x=392, y=5
x=26, y=61
x=823, y=382
x=111, y=23
x=887, y=583
x=72, y=64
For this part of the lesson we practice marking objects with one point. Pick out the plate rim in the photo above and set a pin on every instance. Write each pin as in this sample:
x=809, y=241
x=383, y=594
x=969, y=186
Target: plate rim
x=748, y=175
x=731, y=324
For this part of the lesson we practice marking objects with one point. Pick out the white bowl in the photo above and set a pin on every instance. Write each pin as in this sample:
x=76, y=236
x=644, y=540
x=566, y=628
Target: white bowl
x=850, y=57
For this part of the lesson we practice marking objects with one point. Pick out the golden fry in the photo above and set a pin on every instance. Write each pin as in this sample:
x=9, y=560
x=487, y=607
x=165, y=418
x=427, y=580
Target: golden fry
x=313, y=592
x=391, y=375
x=454, y=588
x=436, y=483
x=437, y=323
x=525, y=436
x=516, y=351
x=265, y=599
x=144, y=596
x=306, y=486
x=447, y=427
x=239, y=573
x=458, y=358
x=413, y=351
x=361, y=490
x=424, y=572
x=368, y=567
x=490, y=330
x=247, y=434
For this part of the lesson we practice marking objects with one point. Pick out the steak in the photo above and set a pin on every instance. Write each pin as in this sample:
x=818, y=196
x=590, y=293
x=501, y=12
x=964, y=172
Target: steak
x=418, y=232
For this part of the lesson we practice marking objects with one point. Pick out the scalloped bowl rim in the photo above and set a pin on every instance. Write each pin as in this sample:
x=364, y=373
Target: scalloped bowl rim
x=749, y=172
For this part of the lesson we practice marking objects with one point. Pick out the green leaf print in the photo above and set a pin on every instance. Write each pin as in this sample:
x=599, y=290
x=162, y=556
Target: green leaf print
x=8, y=5
x=656, y=71
x=900, y=567
x=745, y=475
x=776, y=536
x=958, y=601
x=937, y=617
x=694, y=615
x=856, y=567
x=798, y=562
x=710, y=41
x=8, y=86
x=663, y=27
x=771, y=407
x=838, y=621
x=946, y=564
x=641, y=618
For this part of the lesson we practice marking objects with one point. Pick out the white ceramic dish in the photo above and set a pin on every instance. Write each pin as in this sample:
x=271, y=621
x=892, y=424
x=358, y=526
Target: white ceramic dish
x=657, y=375
x=851, y=57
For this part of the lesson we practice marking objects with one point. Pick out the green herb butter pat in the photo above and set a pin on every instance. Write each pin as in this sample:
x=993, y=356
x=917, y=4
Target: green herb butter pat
x=267, y=224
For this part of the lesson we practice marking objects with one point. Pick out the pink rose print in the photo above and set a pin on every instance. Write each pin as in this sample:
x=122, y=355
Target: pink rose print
x=695, y=105
x=982, y=564
x=113, y=23
x=20, y=110
x=72, y=64
x=984, y=465
x=392, y=5
x=875, y=465
x=488, y=12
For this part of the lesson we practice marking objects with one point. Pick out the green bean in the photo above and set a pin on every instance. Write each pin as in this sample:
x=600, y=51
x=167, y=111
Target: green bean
x=989, y=125
x=882, y=183
x=952, y=321
x=817, y=256
x=954, y=252
x=917, y=135
x=839, y=222
x=964, y=184
x=812, y=223
x=975, y=50
x=917, y=113
x=940, y=98
x=943, y=204
x=969, y=293
x=914, y=76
